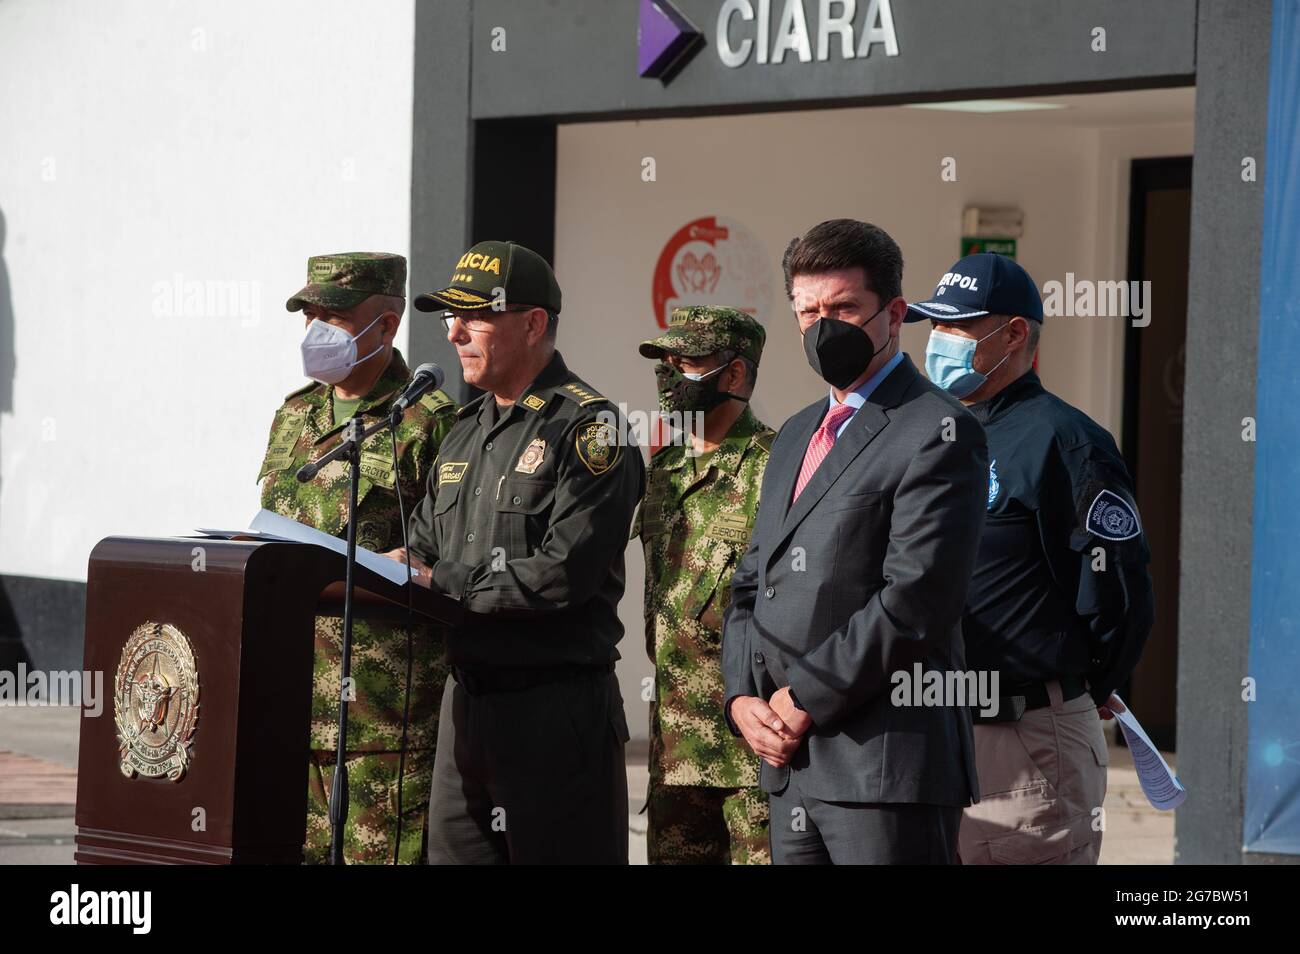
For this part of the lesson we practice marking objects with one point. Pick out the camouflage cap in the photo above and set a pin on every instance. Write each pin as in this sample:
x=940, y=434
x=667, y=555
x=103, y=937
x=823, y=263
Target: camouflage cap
x=346, y=279
x=523, y=277
x=705, y=329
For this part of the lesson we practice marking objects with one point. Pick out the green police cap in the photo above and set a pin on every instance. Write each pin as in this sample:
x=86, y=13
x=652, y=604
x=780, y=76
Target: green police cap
x=706, y=329
x=523, y=276
x=347, y=279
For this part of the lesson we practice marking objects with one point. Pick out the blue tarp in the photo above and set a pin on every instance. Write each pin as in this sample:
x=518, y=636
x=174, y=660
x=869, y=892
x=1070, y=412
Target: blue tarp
x=1272, y=818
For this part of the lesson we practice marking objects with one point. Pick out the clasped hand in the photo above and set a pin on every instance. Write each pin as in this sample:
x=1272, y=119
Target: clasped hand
x=773, y=729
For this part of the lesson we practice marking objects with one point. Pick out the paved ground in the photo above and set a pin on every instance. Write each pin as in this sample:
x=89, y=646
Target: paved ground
x=38, y=784
x=1136, y=833
x=38, y=760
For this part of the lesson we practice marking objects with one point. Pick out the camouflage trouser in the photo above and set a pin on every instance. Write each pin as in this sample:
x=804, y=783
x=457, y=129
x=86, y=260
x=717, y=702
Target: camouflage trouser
x=369, y=836
x=691, y=824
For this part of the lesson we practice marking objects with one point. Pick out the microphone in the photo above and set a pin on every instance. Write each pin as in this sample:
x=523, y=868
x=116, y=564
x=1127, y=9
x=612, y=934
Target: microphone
x=427, y=377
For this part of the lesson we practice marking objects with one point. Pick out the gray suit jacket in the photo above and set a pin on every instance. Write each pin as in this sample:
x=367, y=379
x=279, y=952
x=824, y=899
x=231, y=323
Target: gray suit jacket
x=865, y=575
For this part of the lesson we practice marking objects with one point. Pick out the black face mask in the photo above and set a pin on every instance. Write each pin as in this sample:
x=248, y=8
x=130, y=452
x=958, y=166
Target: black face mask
x=679, y=393
x=840, y=351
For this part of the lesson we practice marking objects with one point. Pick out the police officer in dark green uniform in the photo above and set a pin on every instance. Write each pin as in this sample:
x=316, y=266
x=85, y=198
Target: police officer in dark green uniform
x=525, y=522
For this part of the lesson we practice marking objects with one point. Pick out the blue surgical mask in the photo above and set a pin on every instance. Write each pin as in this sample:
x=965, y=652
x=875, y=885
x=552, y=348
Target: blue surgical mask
x=693, y=376
x=950, y=362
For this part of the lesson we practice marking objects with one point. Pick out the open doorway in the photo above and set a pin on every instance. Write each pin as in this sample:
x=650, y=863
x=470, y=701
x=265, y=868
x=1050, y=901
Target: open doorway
x=1160, y=208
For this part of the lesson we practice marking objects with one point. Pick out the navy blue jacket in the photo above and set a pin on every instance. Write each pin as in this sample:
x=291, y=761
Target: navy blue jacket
x=1060, y=585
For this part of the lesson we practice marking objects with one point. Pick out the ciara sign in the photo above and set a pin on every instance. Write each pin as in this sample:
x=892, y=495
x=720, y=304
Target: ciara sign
x=747, y=30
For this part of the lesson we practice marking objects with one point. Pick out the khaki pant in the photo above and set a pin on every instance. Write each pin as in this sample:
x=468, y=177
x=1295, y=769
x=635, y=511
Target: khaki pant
x=1042, y=783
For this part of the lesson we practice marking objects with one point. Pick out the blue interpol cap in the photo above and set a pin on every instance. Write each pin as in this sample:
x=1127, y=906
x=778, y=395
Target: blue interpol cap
x=981, y=284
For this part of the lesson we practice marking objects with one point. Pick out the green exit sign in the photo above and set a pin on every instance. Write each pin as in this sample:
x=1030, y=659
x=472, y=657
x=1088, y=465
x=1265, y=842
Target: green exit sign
x=1002, y=246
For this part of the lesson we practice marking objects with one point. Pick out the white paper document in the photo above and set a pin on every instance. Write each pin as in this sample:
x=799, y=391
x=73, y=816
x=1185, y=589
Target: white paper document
x=271, y=526
x=1160, y=785
x=231, y=534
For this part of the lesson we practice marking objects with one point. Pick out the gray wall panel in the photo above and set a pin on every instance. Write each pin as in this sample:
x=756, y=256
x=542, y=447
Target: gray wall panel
x=1218, y=466
x=441, y=181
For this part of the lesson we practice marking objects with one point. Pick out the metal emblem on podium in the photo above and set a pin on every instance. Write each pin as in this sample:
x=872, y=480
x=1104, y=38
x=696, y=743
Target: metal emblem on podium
x=156, y=702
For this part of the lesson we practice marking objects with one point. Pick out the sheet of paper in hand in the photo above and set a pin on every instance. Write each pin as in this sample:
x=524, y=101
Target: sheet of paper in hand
x=1160, y=785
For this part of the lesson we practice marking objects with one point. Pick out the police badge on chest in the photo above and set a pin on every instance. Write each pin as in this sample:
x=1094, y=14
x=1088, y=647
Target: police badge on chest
x=532, y=457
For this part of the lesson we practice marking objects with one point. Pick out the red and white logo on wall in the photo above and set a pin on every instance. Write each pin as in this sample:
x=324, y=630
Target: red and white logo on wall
x=712, y=261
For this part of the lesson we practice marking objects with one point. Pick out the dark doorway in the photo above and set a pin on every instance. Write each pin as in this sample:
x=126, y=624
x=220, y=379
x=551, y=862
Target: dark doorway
x=1160, y=209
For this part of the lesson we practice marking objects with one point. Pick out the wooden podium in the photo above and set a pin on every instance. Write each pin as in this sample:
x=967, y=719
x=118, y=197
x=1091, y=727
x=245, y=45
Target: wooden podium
x=199, y=752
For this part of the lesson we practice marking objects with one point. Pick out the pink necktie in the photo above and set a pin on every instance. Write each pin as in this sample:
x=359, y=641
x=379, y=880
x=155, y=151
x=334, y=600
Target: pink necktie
x=823, y=440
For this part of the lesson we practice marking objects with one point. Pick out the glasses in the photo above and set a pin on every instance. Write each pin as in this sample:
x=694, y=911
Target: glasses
x=477, y=322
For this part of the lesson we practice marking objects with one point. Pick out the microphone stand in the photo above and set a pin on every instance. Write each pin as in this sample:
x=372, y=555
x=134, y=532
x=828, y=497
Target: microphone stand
x=354, y=433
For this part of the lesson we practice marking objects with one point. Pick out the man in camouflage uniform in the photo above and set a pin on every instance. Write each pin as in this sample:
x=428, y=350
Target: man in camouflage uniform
x=704, y=803
x=397, y=671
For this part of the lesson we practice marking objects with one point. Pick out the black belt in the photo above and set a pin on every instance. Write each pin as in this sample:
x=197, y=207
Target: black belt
x=1025, y=698
x=477, y=682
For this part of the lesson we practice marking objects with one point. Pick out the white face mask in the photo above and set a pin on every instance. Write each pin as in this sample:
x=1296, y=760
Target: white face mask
x=329, y=353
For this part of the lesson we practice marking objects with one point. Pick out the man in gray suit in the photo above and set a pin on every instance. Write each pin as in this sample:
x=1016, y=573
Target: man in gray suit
x=855, y=579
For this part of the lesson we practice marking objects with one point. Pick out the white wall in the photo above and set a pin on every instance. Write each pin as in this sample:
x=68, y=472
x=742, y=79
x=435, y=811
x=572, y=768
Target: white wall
x=781, y=173
x=217, y=141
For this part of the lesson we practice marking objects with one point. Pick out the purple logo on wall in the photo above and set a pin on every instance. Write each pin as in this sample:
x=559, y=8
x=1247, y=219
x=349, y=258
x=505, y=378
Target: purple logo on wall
x=665, y=40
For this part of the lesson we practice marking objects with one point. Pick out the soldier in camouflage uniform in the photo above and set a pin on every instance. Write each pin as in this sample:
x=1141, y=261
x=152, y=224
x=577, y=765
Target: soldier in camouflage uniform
x=355, y=302
x=704, y=803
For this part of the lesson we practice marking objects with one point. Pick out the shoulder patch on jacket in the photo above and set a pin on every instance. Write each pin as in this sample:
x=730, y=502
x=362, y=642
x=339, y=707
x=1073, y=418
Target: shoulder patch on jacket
x=1111, y=517
x=598, y=446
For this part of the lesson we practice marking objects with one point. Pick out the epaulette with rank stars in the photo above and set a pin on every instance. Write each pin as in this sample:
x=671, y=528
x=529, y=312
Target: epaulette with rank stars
x=580, y=393
x=436, y=401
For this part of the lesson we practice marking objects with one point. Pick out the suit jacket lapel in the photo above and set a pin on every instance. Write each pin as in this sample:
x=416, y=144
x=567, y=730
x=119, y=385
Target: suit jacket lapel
x=802, y=428
x=869, y=421
x=863, y=428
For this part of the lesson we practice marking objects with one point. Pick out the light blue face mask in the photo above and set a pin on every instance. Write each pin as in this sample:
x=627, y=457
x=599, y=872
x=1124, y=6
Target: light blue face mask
x=950, y=362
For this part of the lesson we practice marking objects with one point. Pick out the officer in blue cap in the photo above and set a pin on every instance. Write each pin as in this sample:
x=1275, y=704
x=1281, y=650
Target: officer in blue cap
x=1060, y=602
